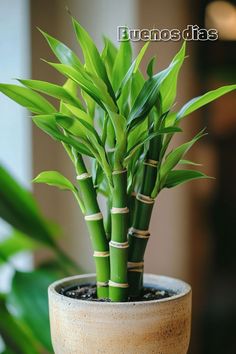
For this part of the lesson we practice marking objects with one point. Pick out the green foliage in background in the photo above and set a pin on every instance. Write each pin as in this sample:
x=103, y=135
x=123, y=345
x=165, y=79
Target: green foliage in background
x=123, y=121
x=24, y=322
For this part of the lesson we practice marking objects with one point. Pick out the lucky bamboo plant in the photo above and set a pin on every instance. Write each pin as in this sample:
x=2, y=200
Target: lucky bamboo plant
x=123, y=121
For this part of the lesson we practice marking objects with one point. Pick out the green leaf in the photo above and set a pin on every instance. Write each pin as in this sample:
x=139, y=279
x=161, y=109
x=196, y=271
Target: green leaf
x=172, y=159
x=169, y=85
x=146, y=139
x=15, y=243
x=90, y=103
x=150, y=67
x=105, y=96
x=201, y=101
x=93, y=86
x=122, y=64
x=93, y=61
x=48, y=124
x=188, y=162
x=76, y=126
x=137, y=83
x=132, y=69
x=148, y=96
x=78, y=113
x=28, y=301
x=18, y=208
x=15, y=335
x=80, y=77
x=108, y=55
x=89, y=137
x=53, y=90
x=27, y=98
x=56, y=179
x=170, y=119
x=119, y=124
x=64, y=54
x=178, y=177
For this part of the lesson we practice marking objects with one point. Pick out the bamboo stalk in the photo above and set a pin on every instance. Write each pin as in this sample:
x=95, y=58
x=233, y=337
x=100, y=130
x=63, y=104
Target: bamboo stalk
x=139, y=232
x=118, y=284
x=94, y=221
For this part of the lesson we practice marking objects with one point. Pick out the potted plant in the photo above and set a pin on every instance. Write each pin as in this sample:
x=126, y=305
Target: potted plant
x=123, y=123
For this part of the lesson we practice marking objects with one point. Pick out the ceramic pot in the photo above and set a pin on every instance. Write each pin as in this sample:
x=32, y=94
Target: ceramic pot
x=88, y=327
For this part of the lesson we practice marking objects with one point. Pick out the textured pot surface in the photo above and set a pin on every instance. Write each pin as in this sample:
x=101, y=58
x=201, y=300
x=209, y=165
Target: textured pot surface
x=86, y=327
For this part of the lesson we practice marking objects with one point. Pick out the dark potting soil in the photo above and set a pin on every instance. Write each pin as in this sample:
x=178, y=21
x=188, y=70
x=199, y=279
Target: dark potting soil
x=88, y=292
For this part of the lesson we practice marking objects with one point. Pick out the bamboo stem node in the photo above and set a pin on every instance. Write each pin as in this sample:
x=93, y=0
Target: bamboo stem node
x=138, y=270
x=101, y=254
x=135, y=267
x=135, y=264
x=93, y=217
x=151, y=163
x=118, y=285
x=83, y=176
x=145, y=199
x=139, y=233
x=139, y=236
x=119, y=172
x=119, y=244
x=102, y=283
x=115, y=210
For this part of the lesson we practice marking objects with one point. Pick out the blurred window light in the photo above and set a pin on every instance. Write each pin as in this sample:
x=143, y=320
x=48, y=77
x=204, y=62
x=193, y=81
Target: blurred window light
x=221, y=15
x=15, y=134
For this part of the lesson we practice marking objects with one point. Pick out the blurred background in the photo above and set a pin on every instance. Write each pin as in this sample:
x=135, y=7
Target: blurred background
x=193, y=230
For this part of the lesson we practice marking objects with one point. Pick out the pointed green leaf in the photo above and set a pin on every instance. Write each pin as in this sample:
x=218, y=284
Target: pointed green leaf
x=104, y=94
x=77, y=126
x=178, y=177
x=188, y=162
x=27, y=98
x=132, y=69
x=52, y=90
x=92, y=57
x=47, y=123
x=93, y=61
x=150, y=67
x=146, y=139
x=79, y=113
x=137, y=83
x=172, y=159
x=56, y=179
x=201, y=101
x=122, y=64
x=148, y=96
x=108, y=55
x=94, y=86
x=169, y=85
x=88, y=136
x=176, y=155
x=81, y=78
x=90, y=103
x=170, y=119
x=119, y=125
x=64, y=54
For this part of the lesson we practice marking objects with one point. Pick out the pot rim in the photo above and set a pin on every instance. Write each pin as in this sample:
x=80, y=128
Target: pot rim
x=185, y=290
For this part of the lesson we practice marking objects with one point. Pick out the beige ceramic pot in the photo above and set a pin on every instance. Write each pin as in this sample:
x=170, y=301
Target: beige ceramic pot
x=86, y=327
